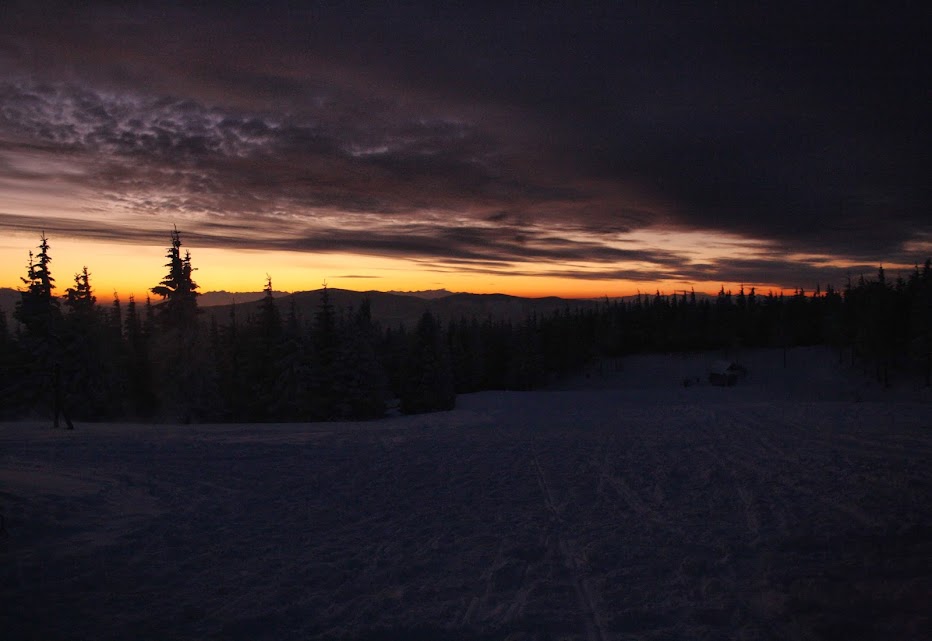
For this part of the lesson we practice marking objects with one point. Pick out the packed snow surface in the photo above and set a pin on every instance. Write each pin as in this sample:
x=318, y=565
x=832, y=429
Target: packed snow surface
x=624, y=506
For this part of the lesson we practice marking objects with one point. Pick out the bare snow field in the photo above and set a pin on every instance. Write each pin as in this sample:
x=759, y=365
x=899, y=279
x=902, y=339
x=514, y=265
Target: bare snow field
x=624, y=506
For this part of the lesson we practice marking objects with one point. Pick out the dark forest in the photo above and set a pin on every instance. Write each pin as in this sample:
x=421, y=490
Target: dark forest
x=68, y=358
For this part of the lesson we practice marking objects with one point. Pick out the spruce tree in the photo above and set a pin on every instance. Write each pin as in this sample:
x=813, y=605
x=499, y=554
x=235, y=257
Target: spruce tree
x=295, y=370
x=427, y=383
x=325, y=329
x=38, y=309
x=79, y=334
x=184, y=387
x=115, y=358
x=360, y=385
x=80, y=299
x=40, y=315
x=324, y=340
x=920, y=321
x=115, y=318
x=4, y=331
x=270, y=318
x=264, y=341
x=89, y=372
x=11, y=370
x=177, y=289
x=139, y=373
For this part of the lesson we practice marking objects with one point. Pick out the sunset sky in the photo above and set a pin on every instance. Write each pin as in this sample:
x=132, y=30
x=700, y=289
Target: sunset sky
x=523, y=148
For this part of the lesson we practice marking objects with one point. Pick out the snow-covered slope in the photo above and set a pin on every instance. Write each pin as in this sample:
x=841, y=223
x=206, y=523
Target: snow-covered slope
x=659, y=513
x=798, y=374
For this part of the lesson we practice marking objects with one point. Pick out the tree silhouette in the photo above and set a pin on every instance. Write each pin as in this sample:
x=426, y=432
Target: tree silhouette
x=427, y=384
x=264, y=345
x=295, y=370
x=180, y=361
x=162, y=362
x=12, y=370
x=270, y=319
x=921, y=320
x=141, y=401
x=40, y=314
x=80, y=299
x=360, y=386
x=324, y=341
x=177, y=289
x=37, y=309
x=86, y=374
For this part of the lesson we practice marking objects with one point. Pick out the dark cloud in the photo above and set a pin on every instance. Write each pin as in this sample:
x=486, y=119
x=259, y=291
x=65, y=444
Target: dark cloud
x=769, y=271
x=497, y=138
x=54, y=225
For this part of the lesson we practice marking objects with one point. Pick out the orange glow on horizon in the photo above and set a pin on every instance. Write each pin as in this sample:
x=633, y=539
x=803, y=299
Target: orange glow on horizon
x=134, y=269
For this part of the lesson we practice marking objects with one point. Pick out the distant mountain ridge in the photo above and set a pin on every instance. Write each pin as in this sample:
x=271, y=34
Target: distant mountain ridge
x=9, y=297
x=427, y=294
x=223, y=297
x=388, y=308
x=392, y=309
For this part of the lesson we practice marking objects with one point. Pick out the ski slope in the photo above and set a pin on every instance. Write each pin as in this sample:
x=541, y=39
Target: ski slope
x=619, y=507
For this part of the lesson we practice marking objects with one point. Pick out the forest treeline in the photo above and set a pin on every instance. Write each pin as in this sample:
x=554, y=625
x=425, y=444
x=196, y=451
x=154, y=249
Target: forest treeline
x=68, y=357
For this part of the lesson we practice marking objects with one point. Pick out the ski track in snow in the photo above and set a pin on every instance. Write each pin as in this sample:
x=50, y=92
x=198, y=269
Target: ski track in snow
x=571, y=558
x=561, y=515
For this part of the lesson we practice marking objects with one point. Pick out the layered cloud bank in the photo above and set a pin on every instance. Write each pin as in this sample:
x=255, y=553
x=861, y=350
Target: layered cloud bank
x=603, y=143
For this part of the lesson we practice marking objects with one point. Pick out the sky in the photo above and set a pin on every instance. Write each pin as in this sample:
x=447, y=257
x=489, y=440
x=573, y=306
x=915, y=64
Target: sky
x=525, y=148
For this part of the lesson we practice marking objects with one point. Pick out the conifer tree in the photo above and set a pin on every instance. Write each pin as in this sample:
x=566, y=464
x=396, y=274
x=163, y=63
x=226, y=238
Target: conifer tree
x=324, y=340
x=115, y=358
x=4, y=331
x=80, y=299
x=139, y=374
x=325, y=329
x=132, y=328
x=180, y=362
x=11, y=363
x=115, y=319
x=39, y=313
x=90, y=354
x=920, y=320
x=148, y=321
x=526, y=363
x=360, y=386
x=467, y=354
x=177, y=289
x=427, y=384
x=263, y=344
x=295, y=369
x=225, y=360
x=270, y=320
x=37, y=309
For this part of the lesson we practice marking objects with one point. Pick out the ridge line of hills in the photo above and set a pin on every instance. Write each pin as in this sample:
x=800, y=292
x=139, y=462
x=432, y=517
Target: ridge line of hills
x=388, y=308
x=392, y=309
